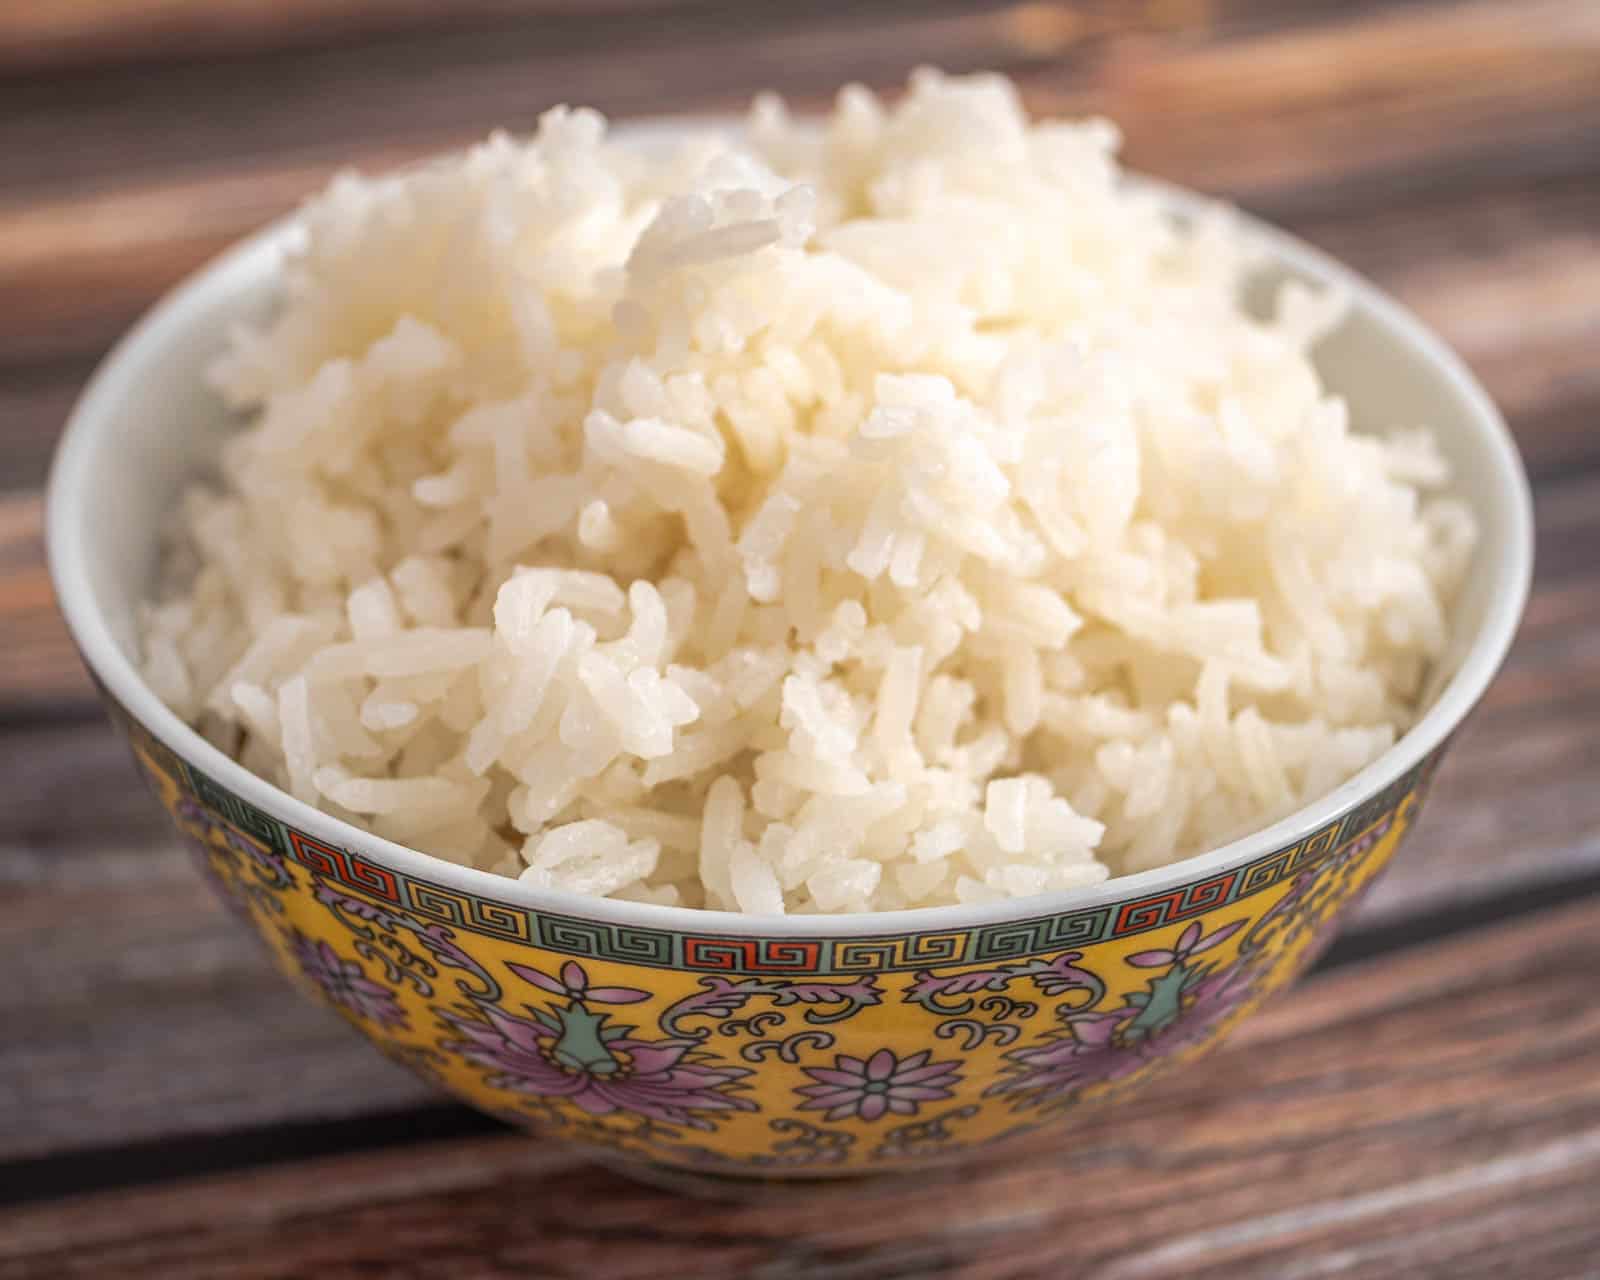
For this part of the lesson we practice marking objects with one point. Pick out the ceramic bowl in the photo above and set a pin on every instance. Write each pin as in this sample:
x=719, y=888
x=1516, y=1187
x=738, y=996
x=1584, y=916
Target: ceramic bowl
x=731, y=1044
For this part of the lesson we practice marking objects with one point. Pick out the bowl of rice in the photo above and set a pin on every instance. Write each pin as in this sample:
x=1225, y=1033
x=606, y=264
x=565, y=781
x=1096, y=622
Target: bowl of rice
x=783, y=647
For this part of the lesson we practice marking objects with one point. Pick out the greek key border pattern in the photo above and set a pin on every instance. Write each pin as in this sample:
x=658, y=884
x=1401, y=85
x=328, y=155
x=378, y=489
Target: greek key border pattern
x=731, y=954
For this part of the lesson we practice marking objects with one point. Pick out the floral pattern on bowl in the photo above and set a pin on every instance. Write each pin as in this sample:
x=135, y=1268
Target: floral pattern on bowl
x=778, y=1056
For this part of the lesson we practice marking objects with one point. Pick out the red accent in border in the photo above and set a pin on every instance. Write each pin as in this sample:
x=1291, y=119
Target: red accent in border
x=1164, y=908
x=751, y=954
x=347, y=868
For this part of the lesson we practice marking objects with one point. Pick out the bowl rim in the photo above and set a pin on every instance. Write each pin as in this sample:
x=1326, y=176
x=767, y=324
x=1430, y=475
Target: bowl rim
x=258, y=256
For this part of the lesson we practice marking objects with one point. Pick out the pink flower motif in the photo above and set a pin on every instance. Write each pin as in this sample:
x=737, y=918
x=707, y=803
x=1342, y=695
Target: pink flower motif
x=881, y=1085
x=574, y=982
x=1178, y=1010
x=1103, y=1047
x=343, y=983
x=1190, y=943
x=570, y=1051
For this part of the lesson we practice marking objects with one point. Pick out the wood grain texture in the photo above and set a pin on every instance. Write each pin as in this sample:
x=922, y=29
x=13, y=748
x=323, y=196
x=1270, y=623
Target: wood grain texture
x=1307, y=112
x=41, y=669
x=1478, y=204
x=1436, y=1113
x=81, y=33
x=97, y=33
x=140, y=1007
x=1508, y=274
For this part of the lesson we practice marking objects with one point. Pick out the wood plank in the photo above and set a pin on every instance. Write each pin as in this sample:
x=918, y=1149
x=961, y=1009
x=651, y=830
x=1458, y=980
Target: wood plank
x=106, y=33
x=328, y=104
x=1397, y=99
x=97, y=33
x=1363, y=1128
x=34, y=403
x=56, y=37
x=1404, y=94
x=41, y=668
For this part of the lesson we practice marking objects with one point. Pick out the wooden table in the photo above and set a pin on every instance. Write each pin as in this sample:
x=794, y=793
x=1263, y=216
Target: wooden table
x=1429, y=1102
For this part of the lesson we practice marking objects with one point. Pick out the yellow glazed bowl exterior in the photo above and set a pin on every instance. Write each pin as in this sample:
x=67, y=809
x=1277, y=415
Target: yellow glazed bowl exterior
x=778, y=1056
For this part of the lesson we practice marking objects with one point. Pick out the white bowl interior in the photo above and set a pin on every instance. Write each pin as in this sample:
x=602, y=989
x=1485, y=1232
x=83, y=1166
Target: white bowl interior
x=148, y=425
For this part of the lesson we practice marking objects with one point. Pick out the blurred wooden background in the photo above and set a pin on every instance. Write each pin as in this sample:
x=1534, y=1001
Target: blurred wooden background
x=1429, y=1105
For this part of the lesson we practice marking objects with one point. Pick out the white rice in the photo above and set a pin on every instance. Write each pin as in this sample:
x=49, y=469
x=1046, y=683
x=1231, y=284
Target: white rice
x=896, y=515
